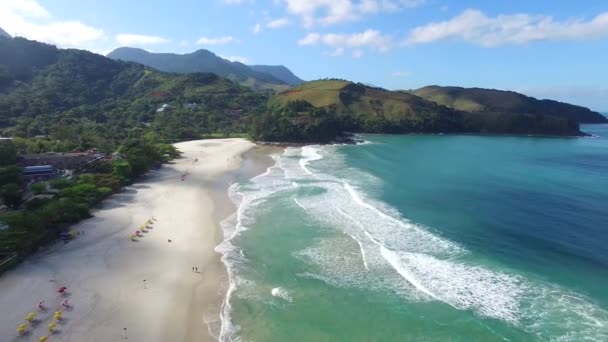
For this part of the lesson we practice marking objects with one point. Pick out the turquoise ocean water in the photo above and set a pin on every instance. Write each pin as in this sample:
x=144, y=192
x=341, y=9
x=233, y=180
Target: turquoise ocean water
x=423, y=238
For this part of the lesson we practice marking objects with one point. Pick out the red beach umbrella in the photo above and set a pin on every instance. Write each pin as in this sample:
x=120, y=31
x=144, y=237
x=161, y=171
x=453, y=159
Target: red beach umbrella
x=62, y=289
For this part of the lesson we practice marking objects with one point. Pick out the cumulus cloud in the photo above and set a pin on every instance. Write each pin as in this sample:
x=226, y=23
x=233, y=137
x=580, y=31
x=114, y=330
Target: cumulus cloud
x=474, y=27
x=328, y=12
x=370, y=39
x=277, y=23
x=27, y=18
x=138, y=39
x=216, y=40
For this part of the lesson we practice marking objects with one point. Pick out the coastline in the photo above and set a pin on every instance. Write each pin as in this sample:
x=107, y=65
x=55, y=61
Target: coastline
x=149, y=286
x=253, y=162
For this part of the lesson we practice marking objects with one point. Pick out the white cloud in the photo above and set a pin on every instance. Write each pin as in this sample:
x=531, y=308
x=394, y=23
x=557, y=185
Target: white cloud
x=357, y=53
x=328, y=12
x=257, y=28
x=277, y=23
x=27, y=18
x=475, y=27
x=370, y=39
x=239, y=59
x=216, y=40
x=310, y=39
x=138, y=39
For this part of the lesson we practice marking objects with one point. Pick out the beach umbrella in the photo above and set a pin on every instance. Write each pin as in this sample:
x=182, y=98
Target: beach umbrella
x=58, y=315
x=62, y=289
x=52, y=326
x=43, y=339
x=30, y=317
x=21, y=329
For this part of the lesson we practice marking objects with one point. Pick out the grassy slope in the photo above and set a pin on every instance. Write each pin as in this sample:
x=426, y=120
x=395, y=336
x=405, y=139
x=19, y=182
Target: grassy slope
x=401, y=112
x=498, y=101
x=355, y=99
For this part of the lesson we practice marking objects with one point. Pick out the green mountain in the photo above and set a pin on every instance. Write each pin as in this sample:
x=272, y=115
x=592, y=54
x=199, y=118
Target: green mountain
x=477, y=100
x=201, y=61
x=280, y=72
x=314, y=109
x=90, y=100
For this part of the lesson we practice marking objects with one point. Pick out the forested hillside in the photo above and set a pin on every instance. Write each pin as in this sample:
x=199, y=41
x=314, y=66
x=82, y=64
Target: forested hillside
x=87, y=100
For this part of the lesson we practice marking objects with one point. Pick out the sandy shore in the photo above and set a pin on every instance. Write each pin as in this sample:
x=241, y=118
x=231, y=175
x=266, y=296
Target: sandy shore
x=148, y=286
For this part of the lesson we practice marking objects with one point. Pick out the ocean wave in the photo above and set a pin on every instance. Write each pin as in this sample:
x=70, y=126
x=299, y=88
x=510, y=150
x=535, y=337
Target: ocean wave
x=280, y=292
x=378, y=249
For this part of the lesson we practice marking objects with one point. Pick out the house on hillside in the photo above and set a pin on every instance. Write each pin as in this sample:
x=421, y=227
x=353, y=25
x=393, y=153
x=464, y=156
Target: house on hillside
x=39, y=173
x=164, y=108
x=63, y=161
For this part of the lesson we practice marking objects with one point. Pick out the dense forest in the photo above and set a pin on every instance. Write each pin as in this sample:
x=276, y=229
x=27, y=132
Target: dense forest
x=75, y=100
x=84, y=100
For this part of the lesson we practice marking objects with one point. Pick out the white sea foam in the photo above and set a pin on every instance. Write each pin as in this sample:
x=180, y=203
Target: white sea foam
x=280, y=292
x=380, y=250
x=309, y=154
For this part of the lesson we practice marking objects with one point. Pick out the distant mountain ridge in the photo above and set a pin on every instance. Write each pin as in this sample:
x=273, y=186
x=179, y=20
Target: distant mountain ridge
x=280, y=72
x=206, y=61
x=479, y=100
x=4, y=33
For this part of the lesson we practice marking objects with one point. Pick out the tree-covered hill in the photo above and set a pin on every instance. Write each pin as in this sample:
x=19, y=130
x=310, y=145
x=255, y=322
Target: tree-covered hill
x=78, y=96
x=82, y=100
x=478, y=100
x=205, y=61
x=279, y=71
x=355, y=107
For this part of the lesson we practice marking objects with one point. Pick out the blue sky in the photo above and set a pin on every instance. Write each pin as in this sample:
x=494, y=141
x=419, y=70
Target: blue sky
x=546, y=48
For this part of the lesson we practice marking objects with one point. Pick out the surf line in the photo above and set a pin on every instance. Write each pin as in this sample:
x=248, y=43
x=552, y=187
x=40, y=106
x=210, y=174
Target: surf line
x=389, y=255
x=358, y=242
x=300, y=205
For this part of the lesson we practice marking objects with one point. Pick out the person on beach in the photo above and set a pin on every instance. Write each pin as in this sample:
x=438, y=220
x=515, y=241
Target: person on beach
x=64, y=303
x=41, y=305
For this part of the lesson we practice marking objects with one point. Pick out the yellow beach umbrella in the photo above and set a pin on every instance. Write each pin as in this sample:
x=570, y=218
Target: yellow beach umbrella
x=30, y=317
x=58, y=315
x=21, y=329
x=43, y=339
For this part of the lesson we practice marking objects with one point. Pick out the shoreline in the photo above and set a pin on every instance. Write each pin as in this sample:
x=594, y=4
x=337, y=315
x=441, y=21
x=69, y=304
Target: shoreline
x=146, y=290
x=253, y=162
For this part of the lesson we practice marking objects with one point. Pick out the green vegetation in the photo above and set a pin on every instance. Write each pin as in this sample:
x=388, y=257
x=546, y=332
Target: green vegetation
x=359, y=108
x=41, y=219
x=491, y=101
x=79, y=100
x=257, y=78
x=298, y=121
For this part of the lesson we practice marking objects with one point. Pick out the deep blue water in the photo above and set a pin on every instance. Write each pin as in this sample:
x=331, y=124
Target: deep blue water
x=424, y=238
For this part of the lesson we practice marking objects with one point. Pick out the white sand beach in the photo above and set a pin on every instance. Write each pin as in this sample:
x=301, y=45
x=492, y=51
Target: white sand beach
x=148, y=286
